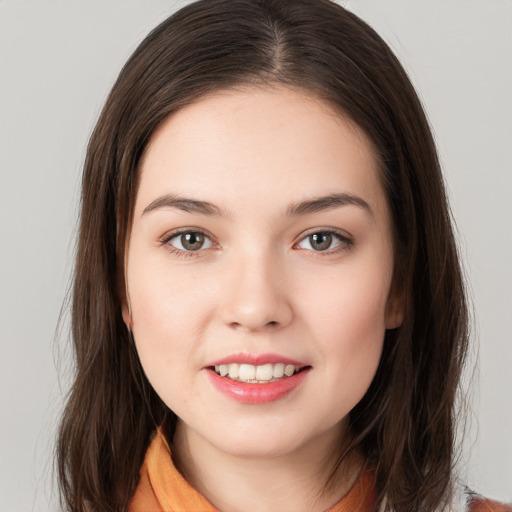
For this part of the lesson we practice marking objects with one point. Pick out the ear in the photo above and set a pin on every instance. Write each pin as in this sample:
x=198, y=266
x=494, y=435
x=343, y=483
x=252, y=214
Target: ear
x=123, y=290
x=127, y=316
x=126, y=308
x=395, y=307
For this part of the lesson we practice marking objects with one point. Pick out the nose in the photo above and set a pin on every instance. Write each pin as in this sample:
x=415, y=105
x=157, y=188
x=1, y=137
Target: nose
x=255, y=297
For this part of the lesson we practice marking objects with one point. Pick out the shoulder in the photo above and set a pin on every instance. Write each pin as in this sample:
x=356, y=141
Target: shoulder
x=477, y=503
x=466, y=500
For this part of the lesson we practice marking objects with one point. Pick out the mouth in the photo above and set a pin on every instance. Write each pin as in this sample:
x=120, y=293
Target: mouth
x=257, y=374
x=257, y=378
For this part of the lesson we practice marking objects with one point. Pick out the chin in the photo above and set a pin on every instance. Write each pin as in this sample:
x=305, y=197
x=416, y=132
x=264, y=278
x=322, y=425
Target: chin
x=263, y=439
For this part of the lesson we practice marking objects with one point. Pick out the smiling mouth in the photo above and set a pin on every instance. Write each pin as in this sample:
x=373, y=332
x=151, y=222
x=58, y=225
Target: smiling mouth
x=261, y=374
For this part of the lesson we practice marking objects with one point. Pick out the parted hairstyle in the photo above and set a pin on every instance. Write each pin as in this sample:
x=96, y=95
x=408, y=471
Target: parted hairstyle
x=405, y=423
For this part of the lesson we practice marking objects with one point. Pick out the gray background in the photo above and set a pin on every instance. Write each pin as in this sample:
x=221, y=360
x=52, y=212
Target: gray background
x=58, y=59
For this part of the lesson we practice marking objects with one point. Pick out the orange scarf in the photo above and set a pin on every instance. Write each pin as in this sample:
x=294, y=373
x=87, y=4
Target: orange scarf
x=162, y=488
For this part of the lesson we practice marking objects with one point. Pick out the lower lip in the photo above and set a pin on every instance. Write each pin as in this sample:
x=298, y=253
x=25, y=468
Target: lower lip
x=248, y=393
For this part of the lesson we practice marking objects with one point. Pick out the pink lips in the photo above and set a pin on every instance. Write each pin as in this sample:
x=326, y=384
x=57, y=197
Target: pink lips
x=256, y=360
x=249, y=393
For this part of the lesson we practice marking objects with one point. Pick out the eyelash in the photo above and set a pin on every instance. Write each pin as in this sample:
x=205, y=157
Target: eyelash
x=345, y=242
x=166, y=239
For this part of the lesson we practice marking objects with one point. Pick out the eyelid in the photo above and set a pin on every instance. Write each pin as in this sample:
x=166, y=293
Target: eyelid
x=346, y=240
x=180, y=231
x=167, y=237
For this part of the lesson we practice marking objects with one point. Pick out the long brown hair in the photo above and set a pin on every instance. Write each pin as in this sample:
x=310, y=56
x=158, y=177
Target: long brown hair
x=405, y=423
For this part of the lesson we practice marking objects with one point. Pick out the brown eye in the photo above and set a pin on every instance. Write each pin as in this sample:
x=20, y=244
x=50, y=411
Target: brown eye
x=190, y=241
x=320, y=241
x=325, y=241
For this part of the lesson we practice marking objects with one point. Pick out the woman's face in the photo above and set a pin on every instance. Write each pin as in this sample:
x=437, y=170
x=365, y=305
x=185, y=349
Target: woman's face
x=261, y=247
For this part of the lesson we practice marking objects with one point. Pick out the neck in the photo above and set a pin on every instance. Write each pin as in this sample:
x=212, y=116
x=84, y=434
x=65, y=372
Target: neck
x=295, y=481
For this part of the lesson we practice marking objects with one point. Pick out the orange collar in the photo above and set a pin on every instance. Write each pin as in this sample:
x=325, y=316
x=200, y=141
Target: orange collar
x=163, y=489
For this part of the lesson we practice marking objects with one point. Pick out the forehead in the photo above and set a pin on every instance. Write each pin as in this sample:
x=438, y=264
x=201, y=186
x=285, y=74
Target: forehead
x=274, y=144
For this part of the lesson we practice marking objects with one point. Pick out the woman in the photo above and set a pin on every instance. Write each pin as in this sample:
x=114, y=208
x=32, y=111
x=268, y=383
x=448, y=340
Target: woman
x=268, y=309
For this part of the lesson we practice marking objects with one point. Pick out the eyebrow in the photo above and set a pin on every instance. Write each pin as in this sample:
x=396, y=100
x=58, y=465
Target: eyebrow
x=308, y=206
x=328, y=202
x=185, y=204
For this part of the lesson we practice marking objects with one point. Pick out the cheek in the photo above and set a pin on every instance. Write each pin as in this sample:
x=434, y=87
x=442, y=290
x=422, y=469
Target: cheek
x=164, y=298
x=348, y=326
x=352, y=310
x=165, y=322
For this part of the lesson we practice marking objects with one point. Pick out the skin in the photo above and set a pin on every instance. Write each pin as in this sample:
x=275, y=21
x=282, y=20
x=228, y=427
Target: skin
x=261, y=287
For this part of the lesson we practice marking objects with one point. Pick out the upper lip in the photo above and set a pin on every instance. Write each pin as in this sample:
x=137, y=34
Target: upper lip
x=256, y=360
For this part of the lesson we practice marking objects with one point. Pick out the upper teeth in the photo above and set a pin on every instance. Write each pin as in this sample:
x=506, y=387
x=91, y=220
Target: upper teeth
x=251, y=373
